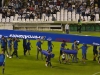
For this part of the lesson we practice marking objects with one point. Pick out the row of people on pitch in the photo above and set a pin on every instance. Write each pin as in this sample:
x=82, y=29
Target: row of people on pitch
x=7, y=45
x=84, y=51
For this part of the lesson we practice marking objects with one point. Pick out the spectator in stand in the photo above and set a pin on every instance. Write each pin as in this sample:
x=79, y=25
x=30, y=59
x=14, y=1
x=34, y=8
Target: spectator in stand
x=48, y=7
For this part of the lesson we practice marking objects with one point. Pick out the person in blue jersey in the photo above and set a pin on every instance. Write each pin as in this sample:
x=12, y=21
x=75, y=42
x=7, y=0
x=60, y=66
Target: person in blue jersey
x=9, y=46
x=84, y=50
x=48, y=59
x=6, y=49
x=3, y=44
x=2, y=61
x=25, y=46
x=39, y=48
x=50, y=45
x=95, y=52
x=62, y=47
x=99, y=55
x=15, y=46
x=29, y=46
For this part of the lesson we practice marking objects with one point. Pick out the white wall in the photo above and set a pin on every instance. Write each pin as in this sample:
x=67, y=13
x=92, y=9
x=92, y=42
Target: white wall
x=6, y=26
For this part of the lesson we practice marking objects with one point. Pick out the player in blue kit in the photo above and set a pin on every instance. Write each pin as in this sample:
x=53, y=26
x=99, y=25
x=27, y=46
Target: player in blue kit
x=84, y=50
x=28, y=46
x=99, y=55
x=3, y=44
x=15, y=46
x=63, y=44
x=50, y=45
x=48, y=59
x=9, y=46
x=2, y=61
x=39, y=48
x=95, y=52
x=24, y=46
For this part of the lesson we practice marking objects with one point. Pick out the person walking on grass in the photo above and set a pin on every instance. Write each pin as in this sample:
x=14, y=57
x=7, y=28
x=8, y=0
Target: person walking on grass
x=24, y=46
x=29, y=46
x=9, y=46
x=39, y=48
x=15, y=46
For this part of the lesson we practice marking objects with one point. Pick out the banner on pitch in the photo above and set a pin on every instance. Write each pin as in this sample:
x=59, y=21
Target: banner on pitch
x=53, y=36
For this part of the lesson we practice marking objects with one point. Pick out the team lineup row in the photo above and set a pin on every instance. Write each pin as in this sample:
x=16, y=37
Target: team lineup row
x=7, y=44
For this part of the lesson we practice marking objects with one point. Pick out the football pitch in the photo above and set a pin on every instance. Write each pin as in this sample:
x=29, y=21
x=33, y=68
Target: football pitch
x=28, y=65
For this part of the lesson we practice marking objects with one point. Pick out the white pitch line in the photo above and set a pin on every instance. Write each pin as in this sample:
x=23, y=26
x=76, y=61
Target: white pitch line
x=96, y=73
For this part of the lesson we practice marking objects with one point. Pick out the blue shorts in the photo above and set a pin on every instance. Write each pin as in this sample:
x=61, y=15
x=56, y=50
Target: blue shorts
x=2, y=64
x=28, y=48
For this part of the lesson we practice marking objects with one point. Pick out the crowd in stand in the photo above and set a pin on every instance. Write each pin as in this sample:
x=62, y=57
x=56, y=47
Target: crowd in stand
x=35, y=8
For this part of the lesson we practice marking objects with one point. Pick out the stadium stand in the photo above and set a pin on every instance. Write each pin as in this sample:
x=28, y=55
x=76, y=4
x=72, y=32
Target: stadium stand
x=49, y=10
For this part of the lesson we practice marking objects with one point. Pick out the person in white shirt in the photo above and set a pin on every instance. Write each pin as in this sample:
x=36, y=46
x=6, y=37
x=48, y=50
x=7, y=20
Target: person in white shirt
x=67, y=28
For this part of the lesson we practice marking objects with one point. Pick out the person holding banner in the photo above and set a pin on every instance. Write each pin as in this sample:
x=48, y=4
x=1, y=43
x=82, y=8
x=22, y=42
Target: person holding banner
x=63, y=44
x=39, y=49
x=84, y=50
x=48, y=60
x=50, y=45
x=64, y=57
x=75, y=47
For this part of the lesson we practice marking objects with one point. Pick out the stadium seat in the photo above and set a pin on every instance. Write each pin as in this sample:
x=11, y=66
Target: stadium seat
x=50, y=18
x=55, y=16
x=62, y=14
x=89, y=18
x=97, y=17
x=35, y=19
x=38, y=19
x=7, y=19
x=77, y=17
x=69, y=16
x=86, y=19
x=3, y=20
x=65, y=15
x=31, y=20
x=73, y=15
x=23, y=19
x=58, y=16
x=46, y=18
x=43, y=17
x=16, y=17
x=82, y=17
x=12, y=18
x=0, y=17
x=27, y=20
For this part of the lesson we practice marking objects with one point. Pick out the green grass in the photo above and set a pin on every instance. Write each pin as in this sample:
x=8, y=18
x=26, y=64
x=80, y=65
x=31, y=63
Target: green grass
x=30, y=66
